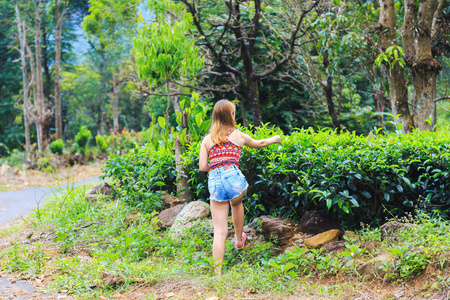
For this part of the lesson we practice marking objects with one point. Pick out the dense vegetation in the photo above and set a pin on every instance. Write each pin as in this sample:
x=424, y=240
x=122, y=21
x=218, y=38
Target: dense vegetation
x=313, y=64
x=357, y=178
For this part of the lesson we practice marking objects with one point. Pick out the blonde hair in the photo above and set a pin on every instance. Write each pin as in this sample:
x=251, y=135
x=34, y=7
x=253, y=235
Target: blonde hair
x=222, y=121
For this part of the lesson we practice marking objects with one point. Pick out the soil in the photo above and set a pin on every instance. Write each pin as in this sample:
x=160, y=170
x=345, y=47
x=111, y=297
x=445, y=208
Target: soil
x=310, y=289
x=14, y=179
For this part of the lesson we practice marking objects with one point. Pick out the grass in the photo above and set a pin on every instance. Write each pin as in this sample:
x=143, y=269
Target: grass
x=105, y=248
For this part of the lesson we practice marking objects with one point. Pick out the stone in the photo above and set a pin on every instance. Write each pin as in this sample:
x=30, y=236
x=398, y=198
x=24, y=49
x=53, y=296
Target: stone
x=334, y=246
x=257, y=221
x=171, y=200
x=350, y=235
x=315, y=223
x=192, y=212
x=103, y=189
x=389, y=230
x=278, y=230
x=168, y=216
x=323, y=238
x=370, y=246
x=379, y=267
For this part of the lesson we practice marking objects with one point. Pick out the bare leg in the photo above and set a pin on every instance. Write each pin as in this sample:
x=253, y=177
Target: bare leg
x=219, y=212
x=237, y=212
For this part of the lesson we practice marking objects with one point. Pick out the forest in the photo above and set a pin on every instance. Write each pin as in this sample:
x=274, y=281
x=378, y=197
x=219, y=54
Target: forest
x=355, y=66
x=356, y=92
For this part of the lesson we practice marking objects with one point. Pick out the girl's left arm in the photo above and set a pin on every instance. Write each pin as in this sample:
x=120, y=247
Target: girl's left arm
x=203, y=161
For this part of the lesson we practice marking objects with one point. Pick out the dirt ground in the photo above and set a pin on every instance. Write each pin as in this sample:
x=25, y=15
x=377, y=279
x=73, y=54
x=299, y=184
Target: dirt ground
x=14, y=179
x=13, y=287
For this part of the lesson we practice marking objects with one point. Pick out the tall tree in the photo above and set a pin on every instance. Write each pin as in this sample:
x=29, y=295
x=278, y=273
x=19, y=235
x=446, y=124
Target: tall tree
x=59, y=19
x=166, y=54
x=21, y=29
x=233, y=35
x=110, y=26
x=421, y=29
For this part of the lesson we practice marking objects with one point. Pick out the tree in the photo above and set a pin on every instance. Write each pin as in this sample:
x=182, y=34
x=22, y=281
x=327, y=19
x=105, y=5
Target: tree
x=21, y=30
x=421, y=29
x=110, y=26
x=166, y=55
x=233, y=36
x=59, y=18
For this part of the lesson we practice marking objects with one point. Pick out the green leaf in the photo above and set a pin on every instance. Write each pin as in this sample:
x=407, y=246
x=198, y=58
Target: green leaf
x=162, y=122
x=366, y=194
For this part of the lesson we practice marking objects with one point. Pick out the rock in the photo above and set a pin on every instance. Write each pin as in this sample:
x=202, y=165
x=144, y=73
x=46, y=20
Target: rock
x=350, y=235
x=370, y=246
x=103, y=189
x=323, y=238
x=314, y=223
x=192, y=212
x=389, y=229
x=256, y=223
x=379, y=266
x=168, y=216
x=334, y=246
x=133, y=218
x=171, y=200
x=278, y=230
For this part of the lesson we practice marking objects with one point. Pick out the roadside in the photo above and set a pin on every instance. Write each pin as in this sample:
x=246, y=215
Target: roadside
x=14, y=179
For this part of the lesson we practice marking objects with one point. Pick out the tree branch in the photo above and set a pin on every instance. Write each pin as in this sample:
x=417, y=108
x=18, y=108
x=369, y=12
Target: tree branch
x=441, y=98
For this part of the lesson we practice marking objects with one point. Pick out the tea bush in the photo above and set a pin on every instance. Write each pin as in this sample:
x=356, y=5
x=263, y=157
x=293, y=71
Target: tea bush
x=57, y=146
x=357, y=178
x=83, y=137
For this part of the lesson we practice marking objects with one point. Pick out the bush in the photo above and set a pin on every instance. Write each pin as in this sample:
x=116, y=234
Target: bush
x=57, y=146
x=83, y=137
x=4, y=150
x=357, y=178
x=102, y=142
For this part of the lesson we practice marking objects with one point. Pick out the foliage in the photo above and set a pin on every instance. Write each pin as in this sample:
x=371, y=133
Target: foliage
x=357, y=178
x=83, y=137
x=57, y=146
x=164, y=52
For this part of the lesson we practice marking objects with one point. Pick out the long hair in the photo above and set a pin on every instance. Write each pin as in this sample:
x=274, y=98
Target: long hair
x=222, y=121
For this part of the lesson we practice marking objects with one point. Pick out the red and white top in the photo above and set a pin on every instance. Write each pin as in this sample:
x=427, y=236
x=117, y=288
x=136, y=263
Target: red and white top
x=225, y=153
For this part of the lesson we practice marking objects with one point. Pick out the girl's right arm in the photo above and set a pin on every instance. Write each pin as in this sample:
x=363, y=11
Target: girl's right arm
x=203, y=160
x=249, y=142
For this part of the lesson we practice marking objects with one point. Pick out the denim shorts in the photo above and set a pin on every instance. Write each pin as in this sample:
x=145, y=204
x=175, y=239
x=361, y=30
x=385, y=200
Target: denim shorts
x=225, y=185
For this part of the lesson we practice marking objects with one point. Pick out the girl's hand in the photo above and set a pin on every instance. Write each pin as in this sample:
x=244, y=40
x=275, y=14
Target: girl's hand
x=276, y=139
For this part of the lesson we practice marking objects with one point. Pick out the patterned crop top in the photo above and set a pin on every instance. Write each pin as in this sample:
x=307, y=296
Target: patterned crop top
x=225, y=153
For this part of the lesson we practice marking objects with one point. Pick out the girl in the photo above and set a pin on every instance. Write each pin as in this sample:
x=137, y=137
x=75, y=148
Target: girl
x=226, y=184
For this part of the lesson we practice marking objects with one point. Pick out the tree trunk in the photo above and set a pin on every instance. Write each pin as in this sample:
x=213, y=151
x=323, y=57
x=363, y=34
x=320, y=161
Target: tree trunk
x=58, y=31
x=116, y=91
x=25, y=84
x=39, y=85
x=328, y=91
x=386, y=31
x=418, y=57
x=183, y=192
x=253, y=99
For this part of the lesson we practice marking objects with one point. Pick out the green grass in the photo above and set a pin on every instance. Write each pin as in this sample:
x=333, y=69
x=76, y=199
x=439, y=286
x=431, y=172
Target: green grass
x=93, y=250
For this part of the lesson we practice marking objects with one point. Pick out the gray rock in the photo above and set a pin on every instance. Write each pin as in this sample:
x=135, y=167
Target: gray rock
x=192, y=212
x=168, y=216
x=390, y=229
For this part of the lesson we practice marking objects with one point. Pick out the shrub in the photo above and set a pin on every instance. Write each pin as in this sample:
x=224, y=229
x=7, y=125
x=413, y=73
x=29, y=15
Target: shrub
x=83, y=136
x=357, y=178
x=4, y=150
x=57, y=146
x=102, y=142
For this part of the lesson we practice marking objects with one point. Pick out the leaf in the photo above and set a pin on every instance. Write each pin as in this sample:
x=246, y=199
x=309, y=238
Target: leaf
x=399, y=188
x=366, y=194
x=162, y=122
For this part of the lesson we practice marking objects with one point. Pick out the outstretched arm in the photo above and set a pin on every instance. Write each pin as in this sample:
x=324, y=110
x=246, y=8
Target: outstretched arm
x=249, y=142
